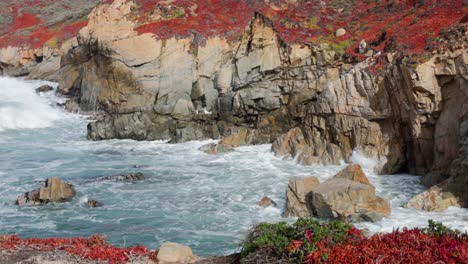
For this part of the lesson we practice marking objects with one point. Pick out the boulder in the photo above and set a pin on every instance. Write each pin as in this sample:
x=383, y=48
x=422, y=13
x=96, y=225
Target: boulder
x=340, y=32
x=55, y=190
x=44, y=88
x=434, y=199
x=175, y=253
x=93, y=203
x=242, y=137
x=296, y=196
x=128, y=177
x=266, y=202
x=348, y=196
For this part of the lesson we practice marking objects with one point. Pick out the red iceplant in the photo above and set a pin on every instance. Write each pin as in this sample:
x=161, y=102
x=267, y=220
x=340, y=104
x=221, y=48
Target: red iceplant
x=93, y=248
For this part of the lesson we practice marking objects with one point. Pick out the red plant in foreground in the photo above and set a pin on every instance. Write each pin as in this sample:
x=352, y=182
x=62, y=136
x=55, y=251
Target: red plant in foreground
x=93, y=248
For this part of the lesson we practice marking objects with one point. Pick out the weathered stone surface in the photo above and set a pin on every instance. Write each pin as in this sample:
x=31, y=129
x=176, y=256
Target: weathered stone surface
x=55, y=190
x=171, y=253
x=266, y=202
x=348, y=197
x=434, y=199
x=128, y=177
x=296, y=204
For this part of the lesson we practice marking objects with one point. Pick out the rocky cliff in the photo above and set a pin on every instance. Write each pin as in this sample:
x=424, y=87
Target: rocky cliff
x=312, y=77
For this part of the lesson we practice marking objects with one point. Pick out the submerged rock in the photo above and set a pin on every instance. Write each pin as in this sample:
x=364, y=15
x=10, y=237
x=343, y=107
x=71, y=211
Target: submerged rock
x=128, y=177
x=93, y=203
x=348, y=196
x=44, y=88
x=296, y=196
x=55, y=190
x=213, y=148
x=434, y=199
x=169, y=253
x=266, y=202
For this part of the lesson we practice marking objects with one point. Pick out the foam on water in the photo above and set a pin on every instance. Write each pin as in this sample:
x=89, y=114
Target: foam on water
x=208, y=202
x=20, y=107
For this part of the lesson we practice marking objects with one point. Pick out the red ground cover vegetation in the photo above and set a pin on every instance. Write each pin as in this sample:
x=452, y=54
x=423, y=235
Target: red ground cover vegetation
x=407, y=246
x=93, y=248
x=387, y=25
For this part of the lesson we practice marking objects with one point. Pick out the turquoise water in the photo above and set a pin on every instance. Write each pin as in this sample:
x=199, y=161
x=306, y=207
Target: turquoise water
x=205, y=201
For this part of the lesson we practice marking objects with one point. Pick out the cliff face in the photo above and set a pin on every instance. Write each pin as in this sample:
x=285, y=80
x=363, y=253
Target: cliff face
x=189, y=70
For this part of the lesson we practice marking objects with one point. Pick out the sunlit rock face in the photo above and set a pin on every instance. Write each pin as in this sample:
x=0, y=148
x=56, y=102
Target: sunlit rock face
x=186, y=71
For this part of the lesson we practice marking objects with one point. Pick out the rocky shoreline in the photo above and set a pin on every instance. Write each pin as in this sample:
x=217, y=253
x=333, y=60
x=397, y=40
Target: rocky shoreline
x=316, y=100
x=311, y=102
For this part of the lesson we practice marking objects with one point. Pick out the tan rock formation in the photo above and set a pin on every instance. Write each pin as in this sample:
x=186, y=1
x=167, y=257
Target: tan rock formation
x=171, y=253
x=434, y=199
x=296, y=197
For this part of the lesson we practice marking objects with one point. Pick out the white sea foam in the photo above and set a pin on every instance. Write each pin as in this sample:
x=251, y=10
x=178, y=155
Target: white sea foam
x=21, y=107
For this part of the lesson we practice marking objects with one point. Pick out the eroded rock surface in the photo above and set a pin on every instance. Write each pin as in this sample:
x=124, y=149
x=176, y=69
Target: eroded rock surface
x=434, y=199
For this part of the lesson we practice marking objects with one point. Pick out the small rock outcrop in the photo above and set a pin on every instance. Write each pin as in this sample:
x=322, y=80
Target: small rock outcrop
x=44, y=88
x=266, y=202
x=213, y=148
x=170, y=253
x=128, y=177
x=434, y=199
x=296, y=196
x=93, y=203
x=348, y=196
x=55, y=190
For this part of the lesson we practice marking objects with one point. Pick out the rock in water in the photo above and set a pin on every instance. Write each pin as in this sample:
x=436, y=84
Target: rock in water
x=348, y=196
x=266, y=202
x=129, y=177
x=434, y=199
x=213, y=148
x=170, y=253
x=93, y=203
x=296, y=196
x=55, y=190
x=44, y=89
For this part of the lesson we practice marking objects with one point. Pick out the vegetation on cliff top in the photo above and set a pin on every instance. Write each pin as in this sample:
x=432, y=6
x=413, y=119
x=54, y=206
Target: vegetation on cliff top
x=309, y=241
x=385, y=24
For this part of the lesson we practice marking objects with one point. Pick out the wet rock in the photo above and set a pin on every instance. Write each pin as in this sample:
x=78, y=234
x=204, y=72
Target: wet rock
x=434, y=199
x=266, y=202
x=44, y=89
x=93, y=203
x=348, y=196
x=213, y=148
x=55, y=190
x=170, y=253
x=296, y=197
x=128, y=177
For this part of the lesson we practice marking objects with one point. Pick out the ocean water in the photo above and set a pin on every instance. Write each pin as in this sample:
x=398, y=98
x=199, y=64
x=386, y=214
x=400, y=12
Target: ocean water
x=207, y=202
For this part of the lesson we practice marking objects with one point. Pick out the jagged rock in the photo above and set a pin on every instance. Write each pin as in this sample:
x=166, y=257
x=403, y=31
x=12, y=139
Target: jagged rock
x=128, y=177
x=340, y=32
x=72, y=106
x=55, y=190
x=434, y=199
x=347, y=196
x=296, y=197
x=44, y=88
x=266, y=202
x=171, y=253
